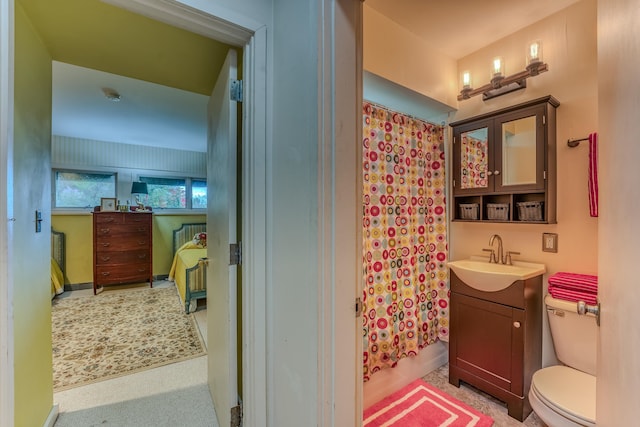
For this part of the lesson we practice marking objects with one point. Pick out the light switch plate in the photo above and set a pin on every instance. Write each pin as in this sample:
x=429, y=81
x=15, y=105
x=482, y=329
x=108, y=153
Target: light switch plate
x=549, y=242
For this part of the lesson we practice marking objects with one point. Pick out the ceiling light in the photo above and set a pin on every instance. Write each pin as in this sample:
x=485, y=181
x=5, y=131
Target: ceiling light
x=111, y=94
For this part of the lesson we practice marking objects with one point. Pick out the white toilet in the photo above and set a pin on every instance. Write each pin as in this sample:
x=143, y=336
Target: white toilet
x=565, y=396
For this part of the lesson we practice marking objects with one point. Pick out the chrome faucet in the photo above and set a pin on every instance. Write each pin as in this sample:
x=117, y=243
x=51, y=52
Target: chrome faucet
x=498, y=259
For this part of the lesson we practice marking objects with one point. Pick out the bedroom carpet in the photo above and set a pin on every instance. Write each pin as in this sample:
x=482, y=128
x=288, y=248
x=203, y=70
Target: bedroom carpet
x=112, y=334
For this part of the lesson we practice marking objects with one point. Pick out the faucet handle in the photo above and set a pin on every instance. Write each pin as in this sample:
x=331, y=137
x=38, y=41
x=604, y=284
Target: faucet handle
x=508, y=257
x=492, y=255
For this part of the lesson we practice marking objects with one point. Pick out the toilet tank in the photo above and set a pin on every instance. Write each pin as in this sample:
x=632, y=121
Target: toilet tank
x=575, y=336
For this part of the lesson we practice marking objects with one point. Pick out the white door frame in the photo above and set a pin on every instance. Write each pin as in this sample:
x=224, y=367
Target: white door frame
x=6, y=212
x=222, y=25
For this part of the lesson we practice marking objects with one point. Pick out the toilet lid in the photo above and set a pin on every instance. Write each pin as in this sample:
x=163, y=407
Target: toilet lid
x=568, y=391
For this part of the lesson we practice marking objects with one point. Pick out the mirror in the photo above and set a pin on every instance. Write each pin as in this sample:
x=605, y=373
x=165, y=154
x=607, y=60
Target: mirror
x=473, y=159
x=519, y=151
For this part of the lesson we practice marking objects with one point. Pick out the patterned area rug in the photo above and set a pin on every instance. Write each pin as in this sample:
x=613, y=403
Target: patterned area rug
x=112, y=334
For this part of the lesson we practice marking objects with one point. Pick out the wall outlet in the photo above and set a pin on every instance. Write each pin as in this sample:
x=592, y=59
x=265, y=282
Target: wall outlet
x=549, y=242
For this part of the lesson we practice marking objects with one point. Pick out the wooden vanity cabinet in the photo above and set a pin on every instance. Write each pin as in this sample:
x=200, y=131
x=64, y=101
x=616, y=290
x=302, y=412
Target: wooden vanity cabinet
x=506, y=160
x=495, y=340
x=122, y=248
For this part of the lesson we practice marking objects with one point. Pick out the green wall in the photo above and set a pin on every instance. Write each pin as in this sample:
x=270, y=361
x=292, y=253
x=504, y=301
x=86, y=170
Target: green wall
x=33, y=367
x=79, y=243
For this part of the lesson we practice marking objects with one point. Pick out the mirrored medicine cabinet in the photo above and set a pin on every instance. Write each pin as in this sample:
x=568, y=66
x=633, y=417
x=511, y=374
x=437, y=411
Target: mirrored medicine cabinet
x=504, y=164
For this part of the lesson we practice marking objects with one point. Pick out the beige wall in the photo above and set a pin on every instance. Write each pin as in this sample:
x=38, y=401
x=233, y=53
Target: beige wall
x=398, y=55
x=569, y=41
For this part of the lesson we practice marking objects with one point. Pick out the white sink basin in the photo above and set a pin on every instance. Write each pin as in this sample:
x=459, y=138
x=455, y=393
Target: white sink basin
x=482, y=275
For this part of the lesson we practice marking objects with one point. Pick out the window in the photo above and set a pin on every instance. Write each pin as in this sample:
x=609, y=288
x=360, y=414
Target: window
x=82, y=189
x=176, y=193
x=198, y=194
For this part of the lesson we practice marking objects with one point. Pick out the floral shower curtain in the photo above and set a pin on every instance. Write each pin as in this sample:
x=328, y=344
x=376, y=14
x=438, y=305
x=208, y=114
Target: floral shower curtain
x=406, y=294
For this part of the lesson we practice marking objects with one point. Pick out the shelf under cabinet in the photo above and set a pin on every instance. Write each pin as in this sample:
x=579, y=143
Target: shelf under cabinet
x=518, y=208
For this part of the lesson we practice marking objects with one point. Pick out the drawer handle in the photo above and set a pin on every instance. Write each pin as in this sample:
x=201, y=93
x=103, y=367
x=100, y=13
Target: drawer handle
x=142, y=270
x=142, y=242
x=106, y=244
x=516, y=324
x=106, y=273
x=142, y=256
x=105, y=230
x=105, y=258
x=142, y=228
x=109, y=219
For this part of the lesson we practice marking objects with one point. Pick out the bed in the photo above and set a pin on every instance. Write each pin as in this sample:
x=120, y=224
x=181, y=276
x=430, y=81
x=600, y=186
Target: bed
x=188, y=269
x=57, y=262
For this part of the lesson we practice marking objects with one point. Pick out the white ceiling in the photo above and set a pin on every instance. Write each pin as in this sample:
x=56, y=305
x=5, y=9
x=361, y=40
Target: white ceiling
x=155, y=115
x=147, y=113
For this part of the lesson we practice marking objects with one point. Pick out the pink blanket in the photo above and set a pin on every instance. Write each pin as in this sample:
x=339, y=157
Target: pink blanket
x=574, y=287
x=572, y=295
x=583, y=282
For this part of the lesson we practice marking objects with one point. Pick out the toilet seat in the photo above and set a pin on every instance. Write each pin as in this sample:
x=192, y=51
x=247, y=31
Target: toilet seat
x=568, y=394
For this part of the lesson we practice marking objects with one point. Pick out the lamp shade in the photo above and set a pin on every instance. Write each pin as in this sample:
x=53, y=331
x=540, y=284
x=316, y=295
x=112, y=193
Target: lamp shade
x=139, y=188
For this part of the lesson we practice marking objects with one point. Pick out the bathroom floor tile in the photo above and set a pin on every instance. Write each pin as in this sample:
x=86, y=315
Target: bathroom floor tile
x=479, y=400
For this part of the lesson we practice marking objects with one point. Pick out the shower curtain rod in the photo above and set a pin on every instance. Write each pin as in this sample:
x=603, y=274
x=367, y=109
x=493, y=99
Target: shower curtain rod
x=375, y=104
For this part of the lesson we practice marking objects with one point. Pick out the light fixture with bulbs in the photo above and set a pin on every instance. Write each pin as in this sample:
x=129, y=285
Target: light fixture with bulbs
x=501, y=84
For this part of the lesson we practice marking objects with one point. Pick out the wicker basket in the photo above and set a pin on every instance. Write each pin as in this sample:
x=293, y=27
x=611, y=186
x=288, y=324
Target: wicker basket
x=530, y=211
x=469, y=211
x=498, y=211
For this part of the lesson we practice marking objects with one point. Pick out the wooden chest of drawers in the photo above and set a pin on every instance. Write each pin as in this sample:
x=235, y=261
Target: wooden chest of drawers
x=122, y=243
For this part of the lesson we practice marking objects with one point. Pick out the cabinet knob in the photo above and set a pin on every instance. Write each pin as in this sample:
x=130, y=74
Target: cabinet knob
x=516, y=324
x=489, y=173
x=496, y=172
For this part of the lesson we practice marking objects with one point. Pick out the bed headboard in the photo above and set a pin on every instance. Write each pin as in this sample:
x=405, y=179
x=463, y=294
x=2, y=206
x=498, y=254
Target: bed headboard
x=186, y=232
x=57, y=248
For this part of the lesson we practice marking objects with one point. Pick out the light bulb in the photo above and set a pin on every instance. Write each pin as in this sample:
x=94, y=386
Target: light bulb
x=466, y=80
x=534, y=52
x=498, y=67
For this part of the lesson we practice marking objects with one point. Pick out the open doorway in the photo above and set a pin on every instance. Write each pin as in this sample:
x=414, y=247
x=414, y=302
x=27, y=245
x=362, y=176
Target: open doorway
x=263, y=58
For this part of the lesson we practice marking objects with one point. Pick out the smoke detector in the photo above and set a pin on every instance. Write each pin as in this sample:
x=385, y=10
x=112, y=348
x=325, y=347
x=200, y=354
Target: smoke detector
x=111, y=94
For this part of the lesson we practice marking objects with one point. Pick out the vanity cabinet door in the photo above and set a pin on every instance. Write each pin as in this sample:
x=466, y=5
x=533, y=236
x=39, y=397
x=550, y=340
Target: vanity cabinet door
x=519, y=151
x=487, y=341
x=473, y=160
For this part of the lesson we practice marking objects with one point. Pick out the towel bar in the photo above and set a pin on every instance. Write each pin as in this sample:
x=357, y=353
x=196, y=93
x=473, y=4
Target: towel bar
x=575, y=142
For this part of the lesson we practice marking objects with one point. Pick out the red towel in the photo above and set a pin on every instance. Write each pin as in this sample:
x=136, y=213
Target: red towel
x=593, y=174
x=573, y=295
x=574, y=281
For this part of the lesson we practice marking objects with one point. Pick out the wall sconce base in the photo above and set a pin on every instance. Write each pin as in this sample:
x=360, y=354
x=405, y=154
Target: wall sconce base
x=511, y=87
